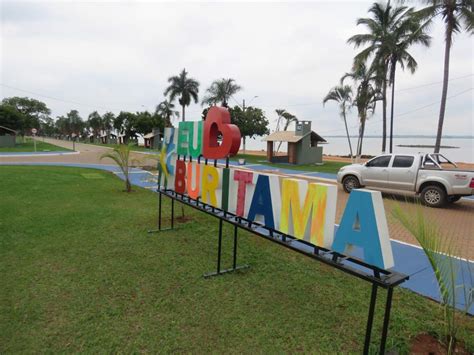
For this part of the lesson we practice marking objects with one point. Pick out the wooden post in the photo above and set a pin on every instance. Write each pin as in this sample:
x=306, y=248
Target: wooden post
x=269, y=151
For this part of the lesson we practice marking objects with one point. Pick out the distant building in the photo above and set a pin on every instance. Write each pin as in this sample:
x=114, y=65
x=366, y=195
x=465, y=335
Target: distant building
x=153, y=139
x=7, y=137
x=108, y=138
x=302, y=145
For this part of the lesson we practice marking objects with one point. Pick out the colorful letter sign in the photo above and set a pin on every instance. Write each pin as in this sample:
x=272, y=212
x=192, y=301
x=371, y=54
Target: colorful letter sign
x=306, y=211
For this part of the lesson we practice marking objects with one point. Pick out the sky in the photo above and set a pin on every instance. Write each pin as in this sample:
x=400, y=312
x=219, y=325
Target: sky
x=113, y=56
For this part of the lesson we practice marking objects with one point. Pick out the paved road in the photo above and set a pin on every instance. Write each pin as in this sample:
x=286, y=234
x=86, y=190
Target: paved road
x=456, y=222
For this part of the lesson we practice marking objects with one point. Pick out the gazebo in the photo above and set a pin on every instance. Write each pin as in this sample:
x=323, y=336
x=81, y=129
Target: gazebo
x=153, y=139
x=7, y=137
x=302, y=145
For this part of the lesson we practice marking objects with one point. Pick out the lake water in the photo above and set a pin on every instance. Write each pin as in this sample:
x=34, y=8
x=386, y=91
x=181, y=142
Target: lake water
x=373, y=146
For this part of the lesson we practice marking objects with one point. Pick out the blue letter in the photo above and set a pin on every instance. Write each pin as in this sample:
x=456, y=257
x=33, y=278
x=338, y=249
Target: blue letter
x=262, y=202
x=364, y=225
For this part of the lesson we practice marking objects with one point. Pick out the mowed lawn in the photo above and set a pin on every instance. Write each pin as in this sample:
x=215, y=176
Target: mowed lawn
x=27, y=145
x=327, y=166
x=80, y=273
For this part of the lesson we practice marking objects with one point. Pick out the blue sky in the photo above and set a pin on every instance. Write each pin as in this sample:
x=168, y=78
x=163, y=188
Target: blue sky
x=118, y=55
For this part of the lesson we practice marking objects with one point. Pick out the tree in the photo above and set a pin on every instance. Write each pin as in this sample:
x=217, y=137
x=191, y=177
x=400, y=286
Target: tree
x=11, y=118
x=184, y=87
x=95, y=123
x=342, y=94
x=125, y=123
x=365, y=99
x=76, y=124
x=107, y=121
x=455, y=14
x=145, y=122
x=279, y=113
x=47, y=127
x=288, y=117
x=34, y=111
x=166, y=109
x=121, y=156
x=251, y=122
x=221, y=91
x=392, y=30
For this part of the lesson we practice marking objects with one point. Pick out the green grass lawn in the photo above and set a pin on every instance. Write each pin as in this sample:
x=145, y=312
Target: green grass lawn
x=27, y=145
x=79, y=273
x=327, y=167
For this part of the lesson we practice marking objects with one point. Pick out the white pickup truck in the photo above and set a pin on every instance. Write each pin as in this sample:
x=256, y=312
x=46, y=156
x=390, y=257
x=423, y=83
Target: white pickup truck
x=433, y=177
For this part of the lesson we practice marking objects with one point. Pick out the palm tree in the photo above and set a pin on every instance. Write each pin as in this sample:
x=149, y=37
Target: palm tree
x=280, y=113
x=184, y=87
x=121, y=156
x=342, y=95
x=455, y=14
x=392, y=30
x=221, y=91
x=166, y=110
x=289, y=118
x=365, y=99
x=107, y=121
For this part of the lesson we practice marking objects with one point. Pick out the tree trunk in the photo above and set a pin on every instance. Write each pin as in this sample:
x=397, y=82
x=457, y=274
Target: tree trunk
x=442, y=109
x=361, y=138
x=183, y=118
x=128, y=186
x=392, y=74
x=243, y=140
x=348, y=137
x=384, y=114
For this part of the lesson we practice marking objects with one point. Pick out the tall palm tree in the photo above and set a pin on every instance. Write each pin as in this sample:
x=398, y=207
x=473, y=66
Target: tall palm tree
x=184, y=87
x=392, y=30
x=342, y=94
x=280, y=113
x=455, y=14
x=220, y=91
x=289, y=119
x=166, y=110
x=365, y=98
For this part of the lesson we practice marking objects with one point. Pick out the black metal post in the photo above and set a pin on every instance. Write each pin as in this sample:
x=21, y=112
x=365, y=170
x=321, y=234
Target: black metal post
x=234, y=264
x=172, y=213
x=386, y=320
x=159, y=212
x=370, y=319
x=219, y=248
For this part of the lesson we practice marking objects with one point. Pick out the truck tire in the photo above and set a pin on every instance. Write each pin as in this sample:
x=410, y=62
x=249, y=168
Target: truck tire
x=433, y=196
x=350, y=182
x=454, y=198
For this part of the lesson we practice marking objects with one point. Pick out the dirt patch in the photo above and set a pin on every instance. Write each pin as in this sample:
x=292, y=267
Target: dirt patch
x=183, y=219
x=428, y=344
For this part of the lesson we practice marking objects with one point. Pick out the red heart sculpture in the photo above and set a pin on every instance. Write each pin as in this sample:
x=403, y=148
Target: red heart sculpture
x=218, y=120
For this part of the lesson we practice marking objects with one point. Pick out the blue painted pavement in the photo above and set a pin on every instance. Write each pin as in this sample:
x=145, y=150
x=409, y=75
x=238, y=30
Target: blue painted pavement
x=409, y=259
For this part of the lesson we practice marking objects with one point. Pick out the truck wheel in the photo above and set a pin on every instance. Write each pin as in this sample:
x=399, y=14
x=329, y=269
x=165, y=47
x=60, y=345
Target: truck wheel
x=454, y=198
x=350, y=183
x=433, y=196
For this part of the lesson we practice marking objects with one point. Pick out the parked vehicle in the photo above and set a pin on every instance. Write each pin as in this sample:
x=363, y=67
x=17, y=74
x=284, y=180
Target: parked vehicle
x=432, y=177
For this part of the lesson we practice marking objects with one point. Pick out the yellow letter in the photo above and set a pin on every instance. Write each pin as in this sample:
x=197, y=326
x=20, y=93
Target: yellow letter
x=210, y=183
x=319, y=203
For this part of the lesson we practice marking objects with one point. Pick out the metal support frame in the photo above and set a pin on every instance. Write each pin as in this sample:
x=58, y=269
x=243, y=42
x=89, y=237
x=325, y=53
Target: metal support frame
x=219, y=271
x=159, y=229
x=376, y=276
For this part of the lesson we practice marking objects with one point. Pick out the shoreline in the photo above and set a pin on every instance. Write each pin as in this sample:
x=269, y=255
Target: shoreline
x=338, y=158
